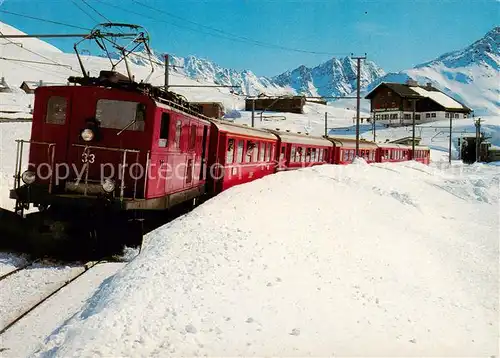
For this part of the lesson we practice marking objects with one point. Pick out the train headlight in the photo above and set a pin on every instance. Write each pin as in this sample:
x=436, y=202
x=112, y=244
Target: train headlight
x=109, y=185
x=28, y=177
x=87, y=135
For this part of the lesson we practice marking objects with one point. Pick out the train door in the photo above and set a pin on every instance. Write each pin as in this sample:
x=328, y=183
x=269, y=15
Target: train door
x=282, y=162
x=204, y=153
x=54, y=106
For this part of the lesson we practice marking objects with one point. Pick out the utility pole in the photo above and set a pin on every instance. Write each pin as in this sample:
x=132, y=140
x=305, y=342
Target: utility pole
x=358, y=99
x=167, y=65
x=373, y=120
x=253, y=112
x=449, y=145
x=326, y=124
x=477, y=123
x=413, y=129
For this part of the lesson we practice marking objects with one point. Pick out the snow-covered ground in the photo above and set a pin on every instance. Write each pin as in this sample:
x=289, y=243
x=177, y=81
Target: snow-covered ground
x=28, y=334
x=24, y=289
x=362, y=260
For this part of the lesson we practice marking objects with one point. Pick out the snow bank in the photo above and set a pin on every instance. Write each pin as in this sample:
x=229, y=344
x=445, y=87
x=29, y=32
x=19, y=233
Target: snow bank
x=364, y=260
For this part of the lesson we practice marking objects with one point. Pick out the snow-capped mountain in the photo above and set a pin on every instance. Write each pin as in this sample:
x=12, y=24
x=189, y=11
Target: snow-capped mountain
x=335, y=77
x=206, y=71
x=470, y=75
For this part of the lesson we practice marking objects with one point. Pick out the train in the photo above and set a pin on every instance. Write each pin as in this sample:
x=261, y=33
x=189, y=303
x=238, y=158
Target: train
x=110, y=158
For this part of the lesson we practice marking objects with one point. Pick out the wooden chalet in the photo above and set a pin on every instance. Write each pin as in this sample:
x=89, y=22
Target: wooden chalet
x=392, y=104
x=290, y=104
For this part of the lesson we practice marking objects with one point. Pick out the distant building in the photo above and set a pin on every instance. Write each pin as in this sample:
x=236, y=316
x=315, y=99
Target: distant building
x=211, y=109
x=31, y=86
x=407, y=141
x=290, y=104
x=4, y=87
x=320, y=100
x=392, y=104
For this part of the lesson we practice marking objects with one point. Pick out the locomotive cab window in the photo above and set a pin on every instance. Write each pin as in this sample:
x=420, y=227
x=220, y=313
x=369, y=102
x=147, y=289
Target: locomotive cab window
x=120, y=115
x=56, y=110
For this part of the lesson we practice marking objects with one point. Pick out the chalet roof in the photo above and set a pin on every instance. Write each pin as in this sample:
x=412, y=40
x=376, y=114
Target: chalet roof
x=401, y=89
x=415, y=91
x=439, y=97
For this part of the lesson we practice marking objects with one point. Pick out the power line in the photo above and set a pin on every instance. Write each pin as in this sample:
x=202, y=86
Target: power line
x=44, y=20
x=84, y=11
x=33, y=52
x=219, y=33
x=97, y=12
x=35, y=62
x=244, y=38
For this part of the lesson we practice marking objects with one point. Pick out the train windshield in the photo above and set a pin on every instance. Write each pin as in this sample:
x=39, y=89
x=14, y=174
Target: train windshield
x=120, y=114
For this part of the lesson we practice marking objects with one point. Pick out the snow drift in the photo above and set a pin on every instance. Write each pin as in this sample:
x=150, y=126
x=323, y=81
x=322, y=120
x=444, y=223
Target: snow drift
x=361, y=260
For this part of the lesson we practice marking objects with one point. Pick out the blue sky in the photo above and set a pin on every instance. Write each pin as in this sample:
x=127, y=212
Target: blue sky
x=396, y=34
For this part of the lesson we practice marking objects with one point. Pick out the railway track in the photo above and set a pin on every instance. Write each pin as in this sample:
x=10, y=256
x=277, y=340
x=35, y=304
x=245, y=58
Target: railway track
x=4, y=276
x=86, y=267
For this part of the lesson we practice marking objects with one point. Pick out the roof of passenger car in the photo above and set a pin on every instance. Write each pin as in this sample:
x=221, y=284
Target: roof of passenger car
x=242, y=130
x=296, y=138
x=351, y=143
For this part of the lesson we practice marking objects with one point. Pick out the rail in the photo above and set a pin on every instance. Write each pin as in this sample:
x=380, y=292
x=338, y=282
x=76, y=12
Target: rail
x=87, y=149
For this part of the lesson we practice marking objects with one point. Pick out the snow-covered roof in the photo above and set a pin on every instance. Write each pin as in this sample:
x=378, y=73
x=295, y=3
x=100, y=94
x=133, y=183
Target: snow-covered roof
x=438, y=97
x=287, y=137
x=351, y=143
x=243, y=130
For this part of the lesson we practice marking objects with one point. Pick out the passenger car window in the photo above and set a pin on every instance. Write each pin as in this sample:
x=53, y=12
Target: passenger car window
x=299, y=154
x=230, y=151
x=268, y=151
x=115, y=114
x=292, y=155
x=192, y=137
x=282, y=153
x=239, y=153
x=56, y=110
x=178, y=130
x=255, y=152
x=249, y=151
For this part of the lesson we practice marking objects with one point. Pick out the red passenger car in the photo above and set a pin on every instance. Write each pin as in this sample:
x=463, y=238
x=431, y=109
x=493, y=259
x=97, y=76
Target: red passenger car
x=299, y=150
x=239, y=154
x=388, y=152
x=422, y=154
x=345, y=150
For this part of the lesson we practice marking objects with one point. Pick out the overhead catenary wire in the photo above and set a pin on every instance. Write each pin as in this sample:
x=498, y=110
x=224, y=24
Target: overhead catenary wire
x=33, y=52
x=84, y=11
x=96, y=11
x=44, y=20
x=236, y=37
x=35, y=62
x=218, y=32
